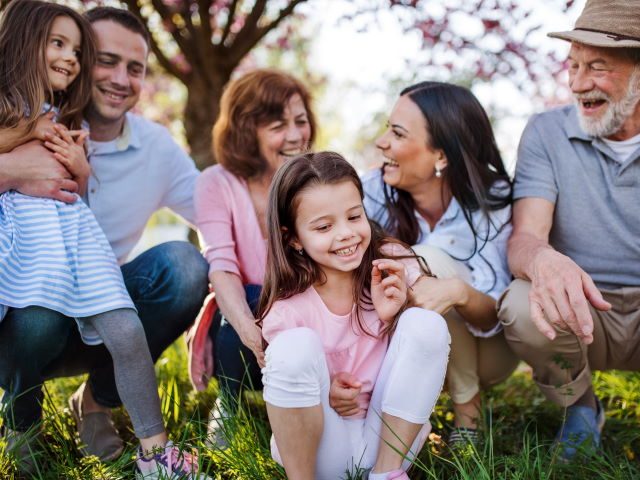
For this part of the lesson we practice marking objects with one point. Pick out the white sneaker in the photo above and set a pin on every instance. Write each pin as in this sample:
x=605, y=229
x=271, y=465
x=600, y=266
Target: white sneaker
x=216, y=430
x=170, y=463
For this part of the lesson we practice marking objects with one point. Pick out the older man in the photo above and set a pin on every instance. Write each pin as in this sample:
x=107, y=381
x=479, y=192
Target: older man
x=575, y=247
x=136, y=169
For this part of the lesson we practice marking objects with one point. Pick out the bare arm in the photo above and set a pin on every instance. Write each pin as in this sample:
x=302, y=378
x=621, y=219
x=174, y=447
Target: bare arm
x=443, y=294
x=232, y=302
x=560, y=290
x=32, y=170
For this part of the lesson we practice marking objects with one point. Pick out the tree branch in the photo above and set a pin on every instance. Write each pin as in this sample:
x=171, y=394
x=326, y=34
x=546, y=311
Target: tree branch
x=176, y=33
x=155, y=48
x=248, y=37
x=230, y=19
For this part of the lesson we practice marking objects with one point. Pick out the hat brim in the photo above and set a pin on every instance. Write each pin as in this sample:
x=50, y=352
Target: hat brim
x=595, y=39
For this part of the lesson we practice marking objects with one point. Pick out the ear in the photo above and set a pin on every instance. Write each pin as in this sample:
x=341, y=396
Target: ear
x=441, y=162
x=295, y=244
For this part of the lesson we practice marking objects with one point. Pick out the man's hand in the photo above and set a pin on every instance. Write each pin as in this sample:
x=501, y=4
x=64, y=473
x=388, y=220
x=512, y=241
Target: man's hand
x=560, y=296
x=343, y=394
x=251, y=337
x=32, y=170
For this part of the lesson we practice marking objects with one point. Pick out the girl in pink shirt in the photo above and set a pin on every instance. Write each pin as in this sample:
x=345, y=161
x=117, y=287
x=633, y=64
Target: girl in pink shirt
x=330, y=311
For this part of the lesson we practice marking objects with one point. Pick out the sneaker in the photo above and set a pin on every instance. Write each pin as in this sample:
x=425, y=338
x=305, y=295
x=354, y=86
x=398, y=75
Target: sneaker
x=98, y=435
x=461, y=437
x=216, y=429
x=581, y=429
x=23, y=446
x=168, y=463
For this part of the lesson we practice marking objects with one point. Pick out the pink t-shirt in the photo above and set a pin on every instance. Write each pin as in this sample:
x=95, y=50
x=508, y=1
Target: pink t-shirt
x=228, y=226
x=347, y=349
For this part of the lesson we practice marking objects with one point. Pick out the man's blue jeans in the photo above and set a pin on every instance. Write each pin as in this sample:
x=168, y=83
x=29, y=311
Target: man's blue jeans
x=167, y=284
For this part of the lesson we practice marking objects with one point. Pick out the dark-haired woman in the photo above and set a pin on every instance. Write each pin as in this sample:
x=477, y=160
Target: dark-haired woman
x=443, y=187
x=265, y=119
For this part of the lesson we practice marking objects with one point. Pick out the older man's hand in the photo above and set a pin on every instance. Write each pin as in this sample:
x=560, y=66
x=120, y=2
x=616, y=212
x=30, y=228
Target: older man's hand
x=32, y=170
x=560, y=295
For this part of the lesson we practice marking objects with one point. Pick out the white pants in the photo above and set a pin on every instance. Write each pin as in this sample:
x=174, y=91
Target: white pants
x=408, y=386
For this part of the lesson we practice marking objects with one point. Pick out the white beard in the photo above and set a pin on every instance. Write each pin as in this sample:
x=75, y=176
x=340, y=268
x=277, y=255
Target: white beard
x=617, y=112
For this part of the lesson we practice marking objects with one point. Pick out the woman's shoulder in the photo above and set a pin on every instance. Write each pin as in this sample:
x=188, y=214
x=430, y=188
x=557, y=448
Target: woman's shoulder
x=218, y=176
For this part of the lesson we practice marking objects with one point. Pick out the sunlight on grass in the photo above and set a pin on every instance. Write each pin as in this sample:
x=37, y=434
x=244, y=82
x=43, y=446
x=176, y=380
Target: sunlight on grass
x=519, y=428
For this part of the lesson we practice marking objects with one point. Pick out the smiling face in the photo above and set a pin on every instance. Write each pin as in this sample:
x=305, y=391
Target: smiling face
x=117, y=77
x=410, y=162
x=331, y=227
x=286, y=137
x=606, y=89
x=62, y=53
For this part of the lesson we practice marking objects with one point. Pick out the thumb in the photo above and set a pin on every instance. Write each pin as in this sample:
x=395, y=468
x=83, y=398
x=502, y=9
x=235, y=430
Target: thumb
x=348, y=380
x=593, y=294
x=80, y=139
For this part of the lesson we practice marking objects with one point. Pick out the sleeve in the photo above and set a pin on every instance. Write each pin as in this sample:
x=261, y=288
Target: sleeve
x=534, y=170
x=214, y=220
x=181, y=174
x=279, y=319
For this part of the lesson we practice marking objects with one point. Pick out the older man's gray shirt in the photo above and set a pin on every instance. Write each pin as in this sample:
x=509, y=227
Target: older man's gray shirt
x=597, y=199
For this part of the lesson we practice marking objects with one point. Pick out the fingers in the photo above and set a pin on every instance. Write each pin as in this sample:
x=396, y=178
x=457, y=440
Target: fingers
x=64, y=133
x=538, y=319
x=376, y=276
x=391, y=267
x=348, y=380
x=64, y=190
x=593, y=294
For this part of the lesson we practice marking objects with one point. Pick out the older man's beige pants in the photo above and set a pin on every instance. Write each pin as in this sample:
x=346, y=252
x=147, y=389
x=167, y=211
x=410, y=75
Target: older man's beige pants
x=562, y=367
x=474, y=362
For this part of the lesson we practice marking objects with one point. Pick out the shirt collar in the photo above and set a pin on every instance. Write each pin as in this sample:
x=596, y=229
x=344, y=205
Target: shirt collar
x=572, y=126
x=129, y=138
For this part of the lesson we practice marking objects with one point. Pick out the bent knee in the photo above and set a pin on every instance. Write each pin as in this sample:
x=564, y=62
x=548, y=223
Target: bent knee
x=425, y=327
x=294, y=351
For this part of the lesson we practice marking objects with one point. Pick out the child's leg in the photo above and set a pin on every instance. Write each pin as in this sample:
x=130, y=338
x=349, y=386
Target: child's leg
x=407, y=389
x=123, y=335
x=311, y=440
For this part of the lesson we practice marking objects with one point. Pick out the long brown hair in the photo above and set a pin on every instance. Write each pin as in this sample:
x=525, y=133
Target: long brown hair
x=288, y=273
x=24, y=82
x=253, y=100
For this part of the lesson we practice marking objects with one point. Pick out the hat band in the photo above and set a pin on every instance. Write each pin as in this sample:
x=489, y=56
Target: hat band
x=613, y=36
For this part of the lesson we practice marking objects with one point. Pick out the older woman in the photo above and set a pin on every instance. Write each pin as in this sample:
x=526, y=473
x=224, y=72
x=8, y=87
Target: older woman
x=265, y=119
x=444, y=188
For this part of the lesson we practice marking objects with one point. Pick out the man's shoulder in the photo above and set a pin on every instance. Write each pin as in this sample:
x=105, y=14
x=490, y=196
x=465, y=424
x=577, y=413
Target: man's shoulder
x=148, y=130
x=554, y=118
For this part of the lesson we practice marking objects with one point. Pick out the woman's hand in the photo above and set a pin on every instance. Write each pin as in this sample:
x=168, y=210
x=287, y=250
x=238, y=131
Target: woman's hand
x=438, y=294
x=343, y=394
x=388, y=288
x=251, y=337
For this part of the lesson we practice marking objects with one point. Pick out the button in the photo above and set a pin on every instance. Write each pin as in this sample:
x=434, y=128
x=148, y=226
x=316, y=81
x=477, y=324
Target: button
x=93, y=190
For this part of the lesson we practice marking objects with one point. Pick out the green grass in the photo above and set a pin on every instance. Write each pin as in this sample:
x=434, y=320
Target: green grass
x=519, y=430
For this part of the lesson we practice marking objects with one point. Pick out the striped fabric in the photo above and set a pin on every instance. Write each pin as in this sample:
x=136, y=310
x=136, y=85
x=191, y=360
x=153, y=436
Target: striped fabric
x=55, y=255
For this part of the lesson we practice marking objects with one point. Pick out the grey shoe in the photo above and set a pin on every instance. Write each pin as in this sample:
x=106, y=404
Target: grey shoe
x=98, y=434
x=23, y=446
x=217, y=429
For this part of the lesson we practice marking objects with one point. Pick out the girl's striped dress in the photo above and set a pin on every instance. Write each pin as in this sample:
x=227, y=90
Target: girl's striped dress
x=55, y=255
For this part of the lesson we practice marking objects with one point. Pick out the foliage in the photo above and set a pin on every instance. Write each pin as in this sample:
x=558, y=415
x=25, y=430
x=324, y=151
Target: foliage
x=519, y=430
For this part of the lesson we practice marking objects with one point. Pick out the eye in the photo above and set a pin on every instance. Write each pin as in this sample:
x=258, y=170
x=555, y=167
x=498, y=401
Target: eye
x=323, y=228
x=302, y=122
x=57, y=42
x=136, y=71
x=77, y=53
x=355, y=217
x=397, y=134
x=106, y=61
x=276, y=126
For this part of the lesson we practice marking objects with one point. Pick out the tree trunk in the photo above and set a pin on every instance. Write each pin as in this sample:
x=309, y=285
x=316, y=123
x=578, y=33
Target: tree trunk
x=201, y=112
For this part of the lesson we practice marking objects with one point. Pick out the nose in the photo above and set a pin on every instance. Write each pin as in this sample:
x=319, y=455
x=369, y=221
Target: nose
x=580, y=81
x=381, y=142
x=293, y=134
x=119, y=75
x=345, y=232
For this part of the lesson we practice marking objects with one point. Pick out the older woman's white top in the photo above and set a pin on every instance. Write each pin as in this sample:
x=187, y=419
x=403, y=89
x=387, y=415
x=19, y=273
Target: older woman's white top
x=484, y=255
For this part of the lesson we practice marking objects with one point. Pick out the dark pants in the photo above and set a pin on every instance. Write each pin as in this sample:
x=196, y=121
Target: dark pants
x=236, y=366
x=167, y=284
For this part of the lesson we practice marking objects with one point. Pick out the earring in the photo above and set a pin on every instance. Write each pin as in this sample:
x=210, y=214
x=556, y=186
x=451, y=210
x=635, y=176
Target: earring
x=300, y=251
x=438, y=173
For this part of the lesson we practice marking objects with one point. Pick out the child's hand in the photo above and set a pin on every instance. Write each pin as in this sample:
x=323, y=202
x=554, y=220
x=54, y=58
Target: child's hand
x=70, y=152
x=389, y=294
x=44, y=126
x=343, y=394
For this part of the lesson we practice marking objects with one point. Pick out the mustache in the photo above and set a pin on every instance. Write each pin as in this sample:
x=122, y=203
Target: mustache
x=592, y=95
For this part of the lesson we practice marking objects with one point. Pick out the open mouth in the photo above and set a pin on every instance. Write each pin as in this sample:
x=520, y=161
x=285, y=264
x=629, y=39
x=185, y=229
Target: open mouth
x=345, y=252
x=390, y=163
x=112, y=96
x=61, y=71
x=592, y=104
x=291, y=153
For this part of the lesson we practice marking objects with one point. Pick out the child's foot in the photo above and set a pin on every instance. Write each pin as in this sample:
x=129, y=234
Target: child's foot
x=169, y=463
x=461, y=437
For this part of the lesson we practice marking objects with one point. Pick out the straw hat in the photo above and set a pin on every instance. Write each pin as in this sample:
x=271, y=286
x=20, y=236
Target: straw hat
x=606, y=23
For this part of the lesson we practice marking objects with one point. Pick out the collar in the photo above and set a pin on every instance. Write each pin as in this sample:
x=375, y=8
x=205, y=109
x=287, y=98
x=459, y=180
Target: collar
x=449, y=215
x=129, y=138
x=572, y=126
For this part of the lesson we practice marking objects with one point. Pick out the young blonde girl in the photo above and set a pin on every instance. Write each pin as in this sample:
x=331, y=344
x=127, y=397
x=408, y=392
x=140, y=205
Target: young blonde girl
x=333, y=293
x=54, y=255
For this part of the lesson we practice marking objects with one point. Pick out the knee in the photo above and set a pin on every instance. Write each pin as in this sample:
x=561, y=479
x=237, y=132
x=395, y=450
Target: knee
x=294, y=352
x=189, y=269
x=35, y=329
x=515, y=315
x=425, y=328
x=130, y=338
